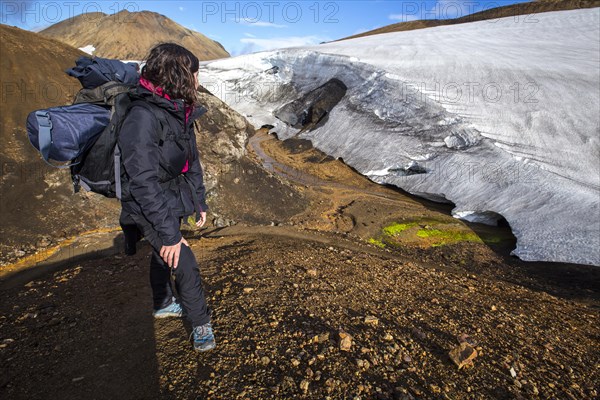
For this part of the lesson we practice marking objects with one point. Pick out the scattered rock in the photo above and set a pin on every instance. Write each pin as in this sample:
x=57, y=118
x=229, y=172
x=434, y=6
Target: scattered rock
x=463, y=355
x=304, y=385
x=248, y=289
x=219, y=222
x=371, y=320
x=79, y=378
x=518, y=384
x=464, y=338
x=419, y=333
x=288, y=384
x=345, y=341
x=43, y=242
x=265, y=360
x=321, y=338
x=534, y=390
x=401, y=394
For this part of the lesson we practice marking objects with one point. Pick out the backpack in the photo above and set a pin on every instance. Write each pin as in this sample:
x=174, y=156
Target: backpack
x=85, y=133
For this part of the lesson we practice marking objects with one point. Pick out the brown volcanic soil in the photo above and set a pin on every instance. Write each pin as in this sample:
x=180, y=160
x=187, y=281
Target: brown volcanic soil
x=86, y=331
x=28, y=71
x=37, y=204
x=130, y=35
x=524, y=9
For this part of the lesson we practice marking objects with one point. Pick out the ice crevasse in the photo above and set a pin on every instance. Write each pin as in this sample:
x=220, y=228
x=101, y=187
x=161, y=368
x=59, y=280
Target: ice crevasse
x=499, y=117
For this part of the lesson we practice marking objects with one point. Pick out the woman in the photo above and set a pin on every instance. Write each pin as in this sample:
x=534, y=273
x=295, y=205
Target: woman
x=163, y=182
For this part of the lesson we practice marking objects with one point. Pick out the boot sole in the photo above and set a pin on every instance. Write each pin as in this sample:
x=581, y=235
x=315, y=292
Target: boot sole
x=206, y=348
x=167, y=315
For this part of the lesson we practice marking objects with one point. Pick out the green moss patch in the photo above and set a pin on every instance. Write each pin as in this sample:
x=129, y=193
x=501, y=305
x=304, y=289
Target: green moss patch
x=377, y=243
x=440, y=237
x=431, y=233
x=397, y=228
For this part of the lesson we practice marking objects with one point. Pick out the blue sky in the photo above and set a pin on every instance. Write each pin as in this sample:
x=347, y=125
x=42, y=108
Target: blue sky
x=248, y=26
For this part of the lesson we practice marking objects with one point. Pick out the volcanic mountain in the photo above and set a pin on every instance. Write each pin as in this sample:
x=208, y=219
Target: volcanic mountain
x=37, y=203
x=129, y=35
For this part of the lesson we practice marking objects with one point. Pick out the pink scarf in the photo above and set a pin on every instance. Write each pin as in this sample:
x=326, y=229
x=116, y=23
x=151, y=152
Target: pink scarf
x=160, y=92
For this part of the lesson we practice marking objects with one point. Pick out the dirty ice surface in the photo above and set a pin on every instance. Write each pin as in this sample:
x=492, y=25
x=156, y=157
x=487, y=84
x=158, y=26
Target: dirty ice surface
x=498, y=117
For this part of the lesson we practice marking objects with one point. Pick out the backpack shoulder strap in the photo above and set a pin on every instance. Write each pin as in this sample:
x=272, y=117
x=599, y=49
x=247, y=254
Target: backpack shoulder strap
x=103, y=94
x=160, y=116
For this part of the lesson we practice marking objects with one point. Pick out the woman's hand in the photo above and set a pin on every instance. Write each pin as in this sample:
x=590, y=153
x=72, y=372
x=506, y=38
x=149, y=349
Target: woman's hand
x=170, y=254
x=202, y=219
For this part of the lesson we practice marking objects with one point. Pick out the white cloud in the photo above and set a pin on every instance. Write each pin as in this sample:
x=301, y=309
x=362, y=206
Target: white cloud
x=260, y=24
x=181, y=8
x=281, y=42
x=249, y=35
x=403, y=17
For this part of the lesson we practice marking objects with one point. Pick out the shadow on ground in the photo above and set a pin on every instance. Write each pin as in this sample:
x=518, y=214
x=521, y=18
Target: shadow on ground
x=79, y=329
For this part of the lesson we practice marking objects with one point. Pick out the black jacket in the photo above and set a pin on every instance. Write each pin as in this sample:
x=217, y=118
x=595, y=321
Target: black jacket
x=155, y=143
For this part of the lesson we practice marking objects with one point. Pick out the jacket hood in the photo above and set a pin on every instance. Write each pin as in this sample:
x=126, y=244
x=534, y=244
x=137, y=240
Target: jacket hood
x=175, y=107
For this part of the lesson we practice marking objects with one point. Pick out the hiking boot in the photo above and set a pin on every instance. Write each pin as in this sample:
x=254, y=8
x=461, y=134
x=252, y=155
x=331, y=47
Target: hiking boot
x=203, y=337
x=172, y=310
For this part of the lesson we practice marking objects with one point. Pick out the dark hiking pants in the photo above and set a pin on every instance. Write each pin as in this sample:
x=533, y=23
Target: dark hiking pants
x=187, y=282
x=186, y=276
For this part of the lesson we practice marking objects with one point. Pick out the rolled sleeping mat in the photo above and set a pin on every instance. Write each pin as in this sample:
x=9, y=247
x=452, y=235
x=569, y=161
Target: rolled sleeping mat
x=64, y=133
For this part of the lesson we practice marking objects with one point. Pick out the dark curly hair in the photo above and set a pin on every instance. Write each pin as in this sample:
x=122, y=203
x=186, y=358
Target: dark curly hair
x=172, y=67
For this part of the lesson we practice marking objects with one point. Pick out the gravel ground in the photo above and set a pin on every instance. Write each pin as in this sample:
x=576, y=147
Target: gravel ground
x=280, y=306
x=309, y=309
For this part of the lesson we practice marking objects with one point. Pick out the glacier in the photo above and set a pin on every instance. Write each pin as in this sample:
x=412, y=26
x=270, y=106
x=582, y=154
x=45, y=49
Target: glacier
x=500, y=118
